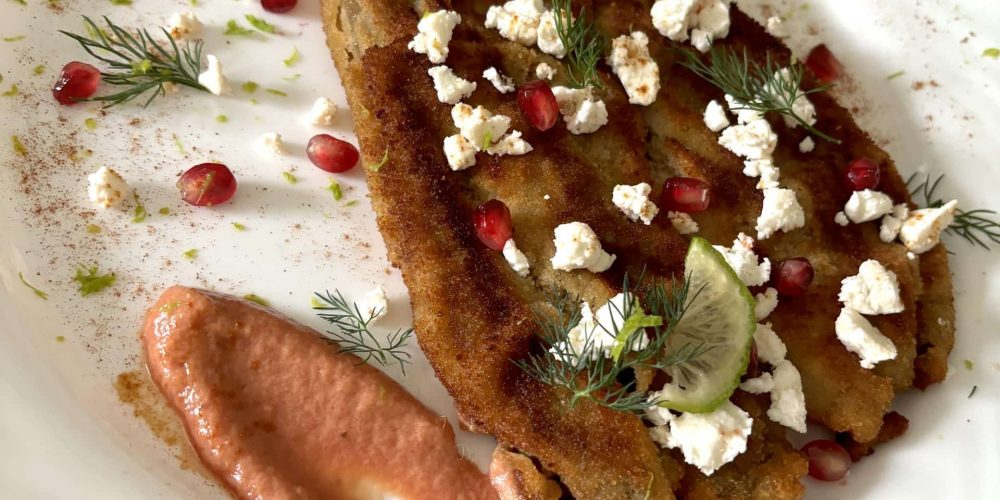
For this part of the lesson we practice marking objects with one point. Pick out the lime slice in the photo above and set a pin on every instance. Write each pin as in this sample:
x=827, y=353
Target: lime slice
x=719, y=318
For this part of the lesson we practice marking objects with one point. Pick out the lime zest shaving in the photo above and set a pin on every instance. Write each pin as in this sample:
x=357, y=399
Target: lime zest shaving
x=239, y=227
x=334, y=189
x=292, y=59
x=634, y=323
x=992, y=52
x=250, y=87
x=261, y=25
x=12, y=91
x=375, y=167
x=276, y=92
x=252, y=297
x=91, y=281
x=19, y=148
x=36, y=291
x=289, y=177
x=233, y=28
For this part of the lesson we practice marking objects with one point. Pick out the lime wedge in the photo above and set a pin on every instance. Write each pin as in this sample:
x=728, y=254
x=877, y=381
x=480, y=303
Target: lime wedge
x=720, y=321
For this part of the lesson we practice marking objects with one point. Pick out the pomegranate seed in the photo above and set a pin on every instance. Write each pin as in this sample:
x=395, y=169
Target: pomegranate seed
x=828, y=461
x=493, y=226
x=538, y=104
x=863, y=174
x=823, y=64
x=332, y=154
x=76, y=82
x=278, y=6
x=684, y=194
x=207, y=184
x=794, y=277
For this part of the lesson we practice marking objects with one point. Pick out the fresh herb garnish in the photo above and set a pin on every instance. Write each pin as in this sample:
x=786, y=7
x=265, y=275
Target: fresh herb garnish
x=589, y=374
x=92, y=282
x=140, y=64
x=294, y=58
x=584, y=44
x=978, y=227
x=261, y=25
x=762, y=88
x=14, y=38
x=375, y=167
x=36, y=291
x=233, y=28
x=354, y=336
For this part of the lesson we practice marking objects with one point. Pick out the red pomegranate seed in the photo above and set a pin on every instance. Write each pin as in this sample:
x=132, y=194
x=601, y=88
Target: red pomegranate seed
x=684, y=194
x=823, y=64
x=794, y=276
x=207, y=184
x=332, y=154
x=863, y=174
x=538, y=104
x=278, y=6
x=828, y=461
x=493, y=226
x=77, y=81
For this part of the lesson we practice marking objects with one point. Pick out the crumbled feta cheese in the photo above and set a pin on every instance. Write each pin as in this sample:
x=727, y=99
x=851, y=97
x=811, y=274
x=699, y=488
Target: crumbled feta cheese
x=770, y=348
x=759, y=385
x=922, y=229
x=765, y=169
x=660, y=434
x=867, y=205
x=510, y=144
x=841, y=219
x=634, y=202
x=874, y=290
x=781, y=212
x=707, y=20
x=682, y=222
x=450, y=87
x=582, y=113
x=657, y=414
x=516, y=20
x=765, y=303
x=715, y=116
x=549, y=40
x=434, y=34
x=594, y=336
x=788, y=403
x=713, y=21
x=672, y=18
x=711, y=440
x=862, y=338
x=753, y=140
x=212, y=78
x=744, y=114
x=639, y=73
x=478, y=125
x=545, y=72
x=802, y=107
x=460, y=152
x=503, y=83
x=515, y=257
x=322, y=112
x=183, y=25
x=776, y=27
x=272, y=143
x=374, y=305
x=106, y=188
x=744, y=262
x=577, y=247
x=892, y=223
x=911, y=256
x=807, y=145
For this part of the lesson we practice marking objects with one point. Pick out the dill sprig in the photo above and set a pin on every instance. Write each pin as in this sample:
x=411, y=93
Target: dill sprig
x=139, y=63
x=584, y=44
x=589, y=374
x=978, y=227
x=757, y=87
x=354, y=336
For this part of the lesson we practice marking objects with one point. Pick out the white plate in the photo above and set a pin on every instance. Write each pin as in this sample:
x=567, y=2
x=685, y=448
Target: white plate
x=62, y=428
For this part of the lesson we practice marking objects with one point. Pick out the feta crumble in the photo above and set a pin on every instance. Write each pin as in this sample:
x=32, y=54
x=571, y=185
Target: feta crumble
x=841, y=219
x=862, y=338
x=682, y=222
x=594, y=336
x=922, y=229
x=781, y=212
x=577, y=247
x=434, y=33
x=184, y=25
x=753, y=140
x=272, y=143
x=461, y=154
x=478, y=125
x=759, y=385
x=634, y=202
x=516, y=258
x=672, y=18
x=545, y=72
x=765, y=169
x=516, y=20
x=374, y=305
x=711, y=440
x=788, y=403
x=770, y=348
x=106, y=188
x=549, y=40
x=706, y=20
x=502, y=83
x=744, y=114
x=639, y=73
x=322, y=112
x=867, y=205
x=743, y=260
x=212, y=78
x=874, y=290
x=765, y=303
x=510, y=144
x=892, y=223
x=582, y=113
x=802, y=107
x=807, y=145
x=776, y=27
x=715, y=116
x=450, y=87
x=657, y=414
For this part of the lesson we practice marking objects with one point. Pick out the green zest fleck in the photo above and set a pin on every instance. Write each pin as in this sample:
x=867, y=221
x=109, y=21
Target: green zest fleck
x=256, y=299
x=487, y=140
x=164, y=211
x=895, y=75
x=19, y=148
x=92, y=282
x=194, y=3
x=12, y=92
x=60, y=339
x=968, y=364
x=261, y=24
x=292, y=78
x=191, y=254
x=249, y=87
x=141, y=67
x=289, y=177
x=334, y=189
x=180, y=146
x=222, y=119
x=239, y=227
x=351, y=203
x=14, y=38
x=375, y=167
x=90, y=124
x=121, y=2
x=93, y=228
x=140, y=213
x=233, y=28
x=292, y=59
x=276, y=92
x=39, y=69
x=992, y=52
x=635, y=322
x=39, y=293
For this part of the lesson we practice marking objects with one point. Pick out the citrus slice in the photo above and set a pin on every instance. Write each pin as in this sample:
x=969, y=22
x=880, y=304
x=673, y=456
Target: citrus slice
x=720, y=322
